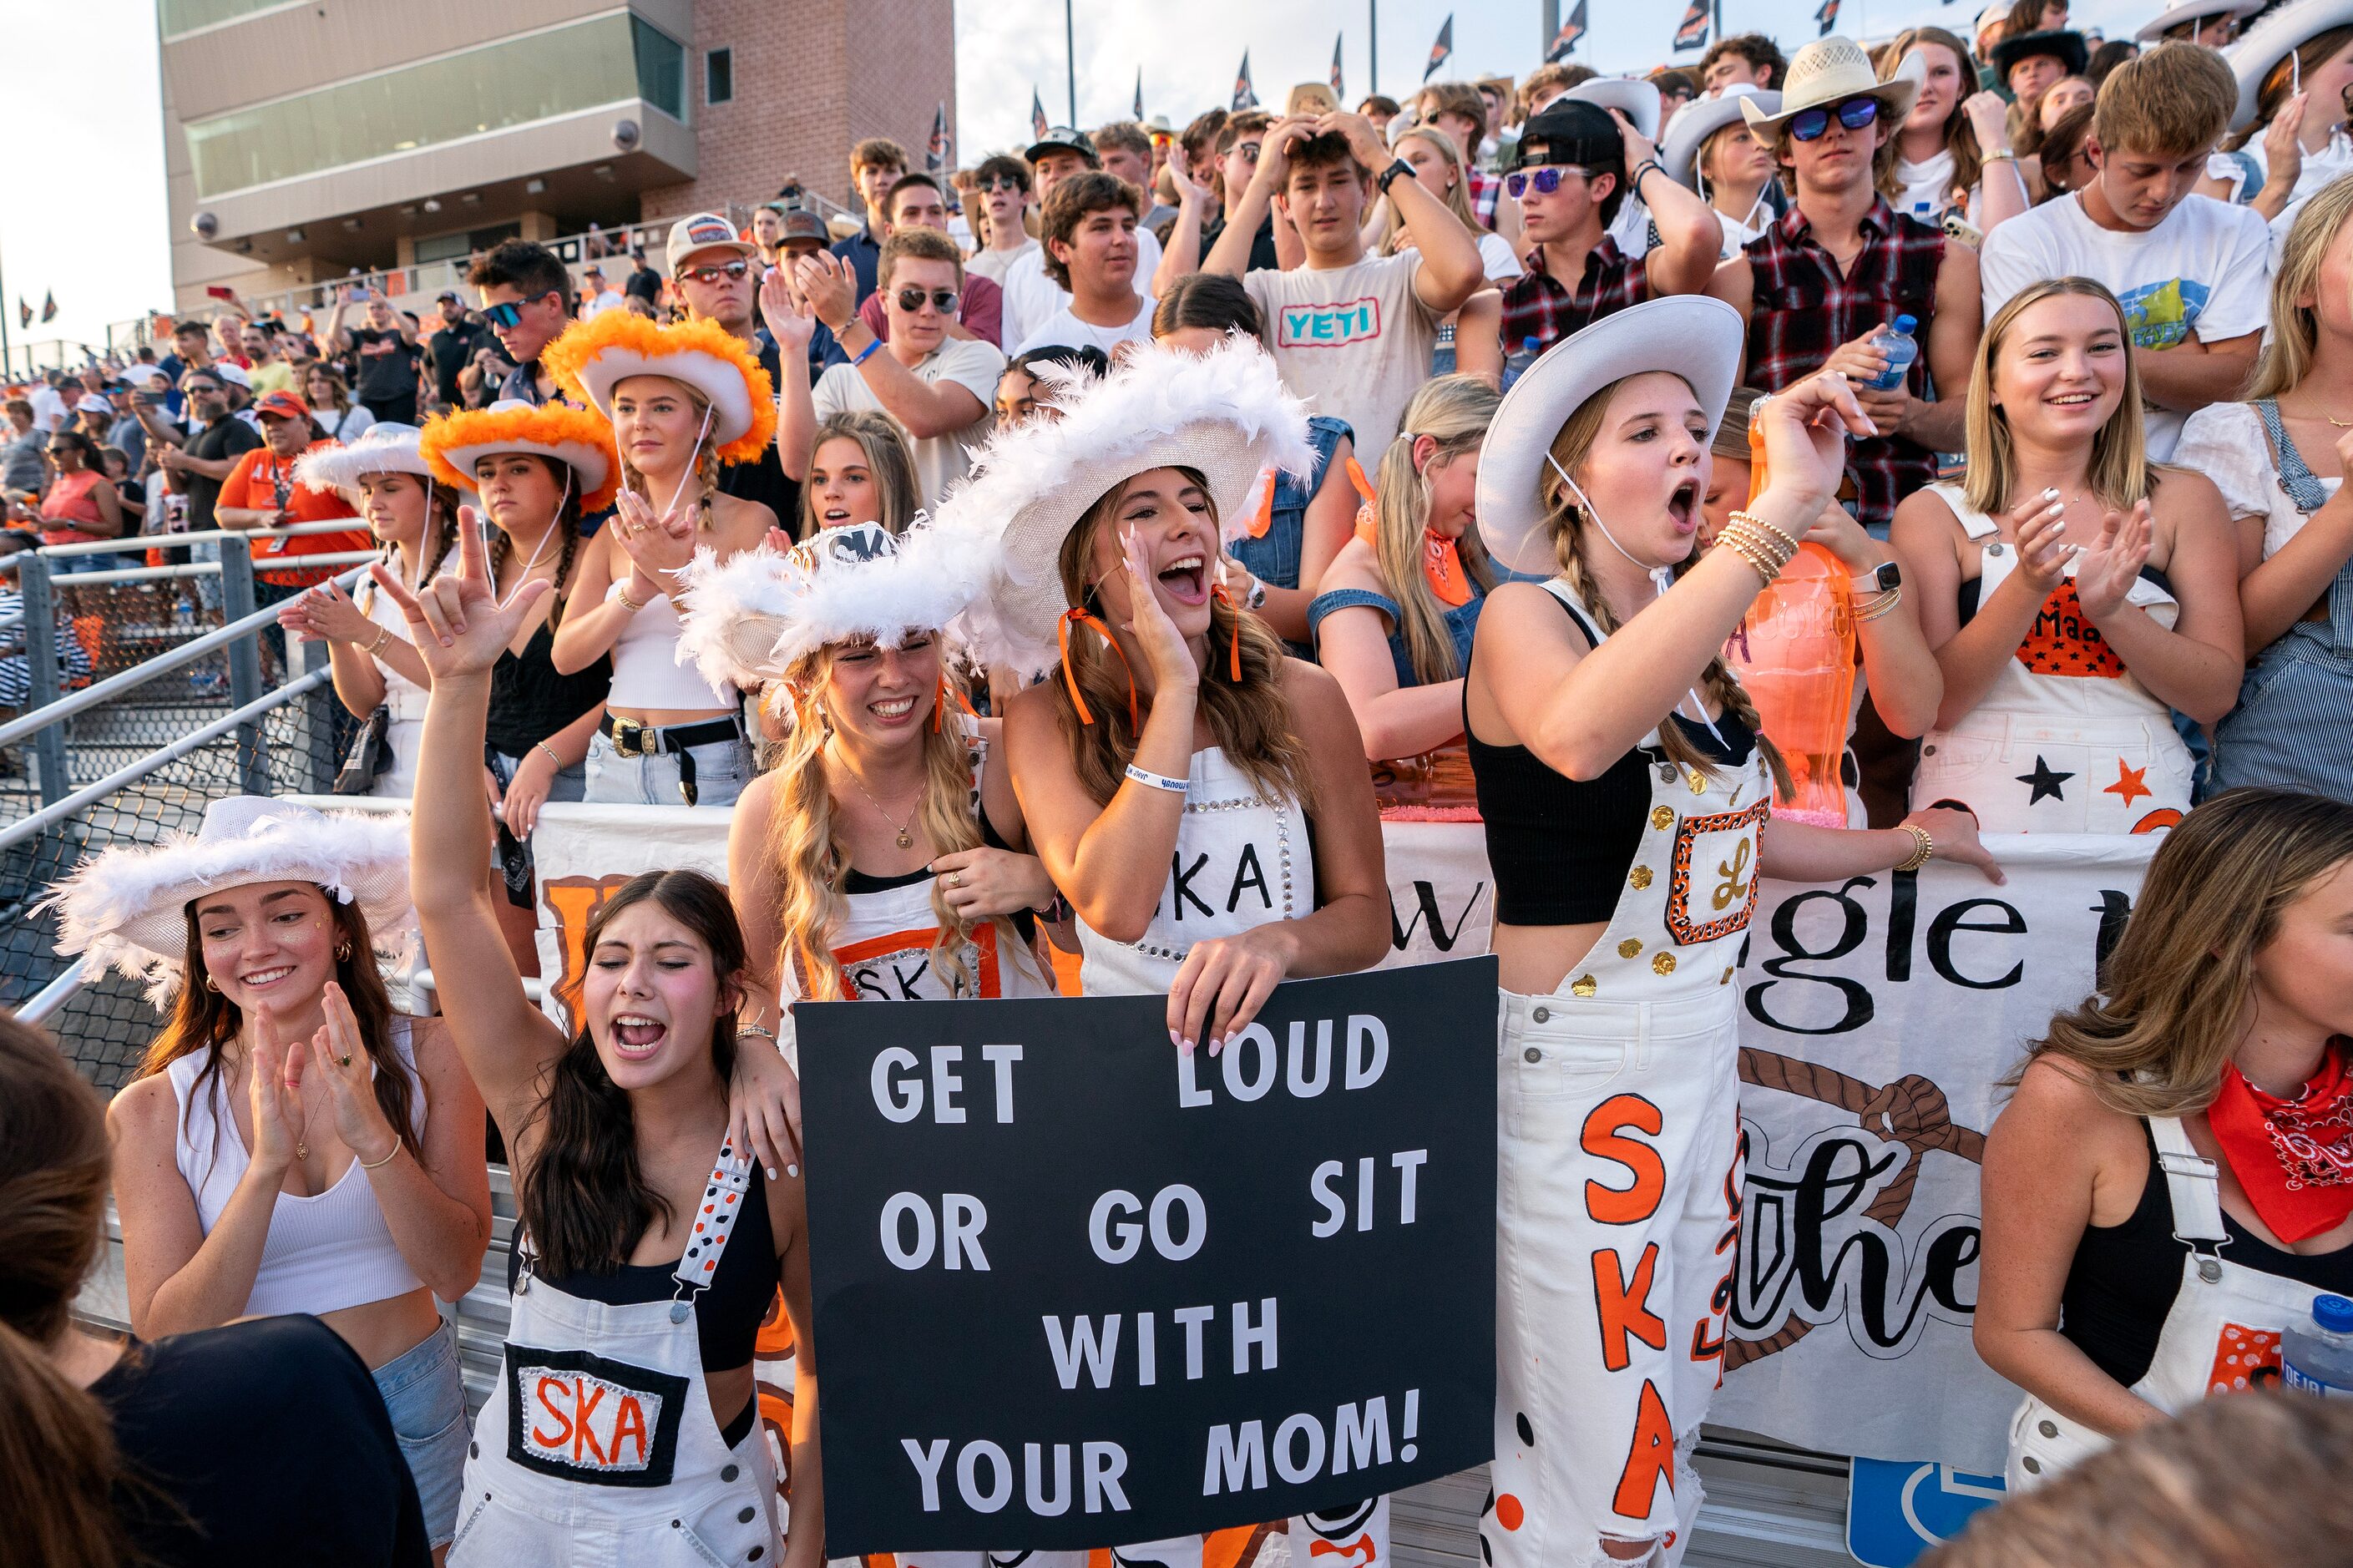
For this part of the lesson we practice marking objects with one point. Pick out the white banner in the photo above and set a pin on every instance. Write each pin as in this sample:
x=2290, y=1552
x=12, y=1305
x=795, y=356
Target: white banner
x=1877, y=1015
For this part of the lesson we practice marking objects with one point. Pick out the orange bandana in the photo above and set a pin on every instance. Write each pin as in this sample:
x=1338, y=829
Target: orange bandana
x=1441, y=558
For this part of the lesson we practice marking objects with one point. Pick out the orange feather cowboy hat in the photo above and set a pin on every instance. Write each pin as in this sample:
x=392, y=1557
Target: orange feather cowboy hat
x=610, y=347
x=576, y=438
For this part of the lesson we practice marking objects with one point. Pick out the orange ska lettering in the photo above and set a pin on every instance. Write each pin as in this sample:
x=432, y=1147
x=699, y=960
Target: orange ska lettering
x=1602, y=1138
x=1624, y=1306
x=1650, y=1458
x=581, y=1420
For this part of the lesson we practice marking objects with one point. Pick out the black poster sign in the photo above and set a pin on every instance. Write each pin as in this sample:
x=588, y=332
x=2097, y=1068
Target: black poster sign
x=1074, y=1289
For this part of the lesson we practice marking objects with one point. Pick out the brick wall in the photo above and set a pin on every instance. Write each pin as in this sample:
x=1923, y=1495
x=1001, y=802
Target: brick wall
x=811, y=77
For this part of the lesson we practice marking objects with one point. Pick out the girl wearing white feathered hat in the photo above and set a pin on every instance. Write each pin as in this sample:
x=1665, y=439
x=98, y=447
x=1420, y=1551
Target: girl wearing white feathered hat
x=386, y=478
x=1625, y=786
x=291, y=1144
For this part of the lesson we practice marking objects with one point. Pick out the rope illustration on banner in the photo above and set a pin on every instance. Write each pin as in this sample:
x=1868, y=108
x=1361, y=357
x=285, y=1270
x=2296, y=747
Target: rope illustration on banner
x=1912, y=1111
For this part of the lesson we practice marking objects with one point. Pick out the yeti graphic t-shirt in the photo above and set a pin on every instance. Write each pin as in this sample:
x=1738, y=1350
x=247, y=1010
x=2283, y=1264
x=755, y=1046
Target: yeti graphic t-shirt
x=2206, y=269
x=1354, y=342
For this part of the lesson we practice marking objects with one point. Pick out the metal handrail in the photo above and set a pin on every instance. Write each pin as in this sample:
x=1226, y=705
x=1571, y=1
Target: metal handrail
x=204, y=568
x=51, y=996
x=206, y=536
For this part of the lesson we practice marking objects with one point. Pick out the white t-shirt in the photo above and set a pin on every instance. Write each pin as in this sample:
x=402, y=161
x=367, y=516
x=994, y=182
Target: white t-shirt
x=1030, y=296
x=598, y=303
x=1065, y=329
x=1497, y=253
x=2205, y=269
x=940, y=460
x=49, y=410
x=355, y=422
x=994, y=264
x=1353, y=341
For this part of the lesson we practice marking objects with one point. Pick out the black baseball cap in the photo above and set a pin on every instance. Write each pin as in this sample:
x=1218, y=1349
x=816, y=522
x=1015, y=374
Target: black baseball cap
x=1571, y=130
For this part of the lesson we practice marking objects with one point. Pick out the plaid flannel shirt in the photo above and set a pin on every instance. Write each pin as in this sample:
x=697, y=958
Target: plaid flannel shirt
x=1538, y=305
x=1802, y=308
x=1484, y=188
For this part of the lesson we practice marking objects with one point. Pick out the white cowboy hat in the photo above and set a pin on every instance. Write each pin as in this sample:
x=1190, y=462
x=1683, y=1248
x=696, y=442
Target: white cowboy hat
x=1691, y=335
x=1639, y=101
x=1225, y=414
x=1698, y=121
x=747, y=620
x=1829, y=71
x=2253, y=53
x=128, y=905
x=2165, y=21
x=382, y=449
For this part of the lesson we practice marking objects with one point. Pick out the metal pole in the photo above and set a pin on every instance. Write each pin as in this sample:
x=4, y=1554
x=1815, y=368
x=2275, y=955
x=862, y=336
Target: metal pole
x=1070, y=56
x=1373, y=41
x=319, y=709
x=244, y=664
x=1551, y=26
x=41, y=673
x=7, y=359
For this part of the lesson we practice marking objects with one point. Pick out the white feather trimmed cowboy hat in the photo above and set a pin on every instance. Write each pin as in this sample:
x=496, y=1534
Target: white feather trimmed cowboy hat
x=1695, y=123
x=1225, y=414
x=594, y=356
x=749, y=619
x=127, y=906
x=382, y=449
x=1689, y=336
x=2272, y=39
x=1829, y=71
x=1639, y=101
x=2154, y=29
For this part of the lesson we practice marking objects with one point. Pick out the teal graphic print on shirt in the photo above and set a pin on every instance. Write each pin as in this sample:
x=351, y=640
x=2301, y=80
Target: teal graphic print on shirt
x=2162, y=314
x=1328, y=326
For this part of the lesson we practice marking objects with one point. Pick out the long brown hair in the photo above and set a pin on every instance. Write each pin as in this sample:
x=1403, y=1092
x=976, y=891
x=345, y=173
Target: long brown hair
x=567, y=518
x=1569, y=450
x=2120, y=469
x=583, y=1197
x=59, y=1463
x=1960, y=141
x=1453, y=411
x=204, y=1019
x=2175, y=995
x=889, y=459
x=1248, y=717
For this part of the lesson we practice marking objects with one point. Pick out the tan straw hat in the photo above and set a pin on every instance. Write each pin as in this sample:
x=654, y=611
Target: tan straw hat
x=1829, y=71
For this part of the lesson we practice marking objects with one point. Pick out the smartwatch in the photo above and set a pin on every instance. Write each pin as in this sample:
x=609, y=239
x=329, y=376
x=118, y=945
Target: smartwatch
x=1884, y=578
x=1393, y=173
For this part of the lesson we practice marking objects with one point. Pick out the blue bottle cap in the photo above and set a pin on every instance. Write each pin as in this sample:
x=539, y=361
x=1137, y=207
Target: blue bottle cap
x=1904, y=323
x=2333, y=1313
x=1528, y=345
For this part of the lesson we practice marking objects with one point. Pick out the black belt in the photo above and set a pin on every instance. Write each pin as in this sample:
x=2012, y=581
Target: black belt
x=631, y=738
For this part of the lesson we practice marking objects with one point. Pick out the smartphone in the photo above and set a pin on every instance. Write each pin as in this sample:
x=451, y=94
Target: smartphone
x=151, y=399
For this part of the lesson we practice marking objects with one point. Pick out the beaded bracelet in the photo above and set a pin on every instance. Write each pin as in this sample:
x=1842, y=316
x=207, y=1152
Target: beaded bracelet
x=1789, y=545
x=1919, y=857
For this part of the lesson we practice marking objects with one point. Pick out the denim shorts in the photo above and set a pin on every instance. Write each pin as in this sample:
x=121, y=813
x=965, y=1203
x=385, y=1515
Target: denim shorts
x=425, y=1393
x=721, y=769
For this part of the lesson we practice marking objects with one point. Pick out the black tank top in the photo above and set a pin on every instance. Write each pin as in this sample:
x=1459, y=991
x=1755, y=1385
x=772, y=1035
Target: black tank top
x=2123, y=1278
x=530, y=701
x=1560, y=849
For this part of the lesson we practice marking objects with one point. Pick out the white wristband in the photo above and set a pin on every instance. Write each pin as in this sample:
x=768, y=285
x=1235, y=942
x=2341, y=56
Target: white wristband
x=1157, y=781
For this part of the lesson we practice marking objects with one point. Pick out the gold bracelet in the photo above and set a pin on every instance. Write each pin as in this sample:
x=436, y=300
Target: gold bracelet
x=1780, y=534
x=1878, y=604
x=1763, y=534
x=377, y=647
x=621, y=592
x=1919, y=857
x=385, y=1161
x=1755, y=546
x=1748, y=552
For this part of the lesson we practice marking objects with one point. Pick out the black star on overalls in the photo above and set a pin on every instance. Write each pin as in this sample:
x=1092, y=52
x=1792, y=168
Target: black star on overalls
x=2043, y=782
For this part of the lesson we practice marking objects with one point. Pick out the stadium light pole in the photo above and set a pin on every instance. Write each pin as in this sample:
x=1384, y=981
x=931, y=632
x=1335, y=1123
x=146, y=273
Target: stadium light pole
x=1071, y=56
x=1372, y=40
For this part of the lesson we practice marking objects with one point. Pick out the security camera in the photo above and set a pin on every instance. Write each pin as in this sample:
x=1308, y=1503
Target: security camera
x=627, y=135
x=204, y=224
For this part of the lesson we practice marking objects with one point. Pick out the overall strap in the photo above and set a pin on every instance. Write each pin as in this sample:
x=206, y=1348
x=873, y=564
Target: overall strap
x=2192, y=1184
x=714, y=1221
x=2295, y=480
x=1977, y=524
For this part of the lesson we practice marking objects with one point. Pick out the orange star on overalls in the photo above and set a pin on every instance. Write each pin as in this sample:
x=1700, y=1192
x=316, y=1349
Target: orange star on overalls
x=2128, y=783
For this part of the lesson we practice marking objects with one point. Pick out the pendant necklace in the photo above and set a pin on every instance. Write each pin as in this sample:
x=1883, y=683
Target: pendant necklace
x=906, y=839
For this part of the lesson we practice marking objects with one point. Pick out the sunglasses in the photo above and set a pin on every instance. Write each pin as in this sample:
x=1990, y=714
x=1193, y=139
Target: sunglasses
x=1546, y=179
x=997, y=183
x=1249, y=150
x=505, y=315
x=944, y=301
x=733, y=272
x=1809, y=124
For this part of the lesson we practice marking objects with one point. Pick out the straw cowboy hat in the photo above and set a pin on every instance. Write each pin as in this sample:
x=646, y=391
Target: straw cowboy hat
x=2272, y=39
x=2165, y=21
x=593, y=356
x=1825, y=74
x=1691, y=335
x=127, y=907
x=578, y=438
x=1225, y=414
x=1702, y=118
x=382, y=449
x=1639, y=101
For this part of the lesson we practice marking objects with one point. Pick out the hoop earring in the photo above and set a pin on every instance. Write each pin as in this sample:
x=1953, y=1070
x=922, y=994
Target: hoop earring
x=343, y=954
x=211, y=984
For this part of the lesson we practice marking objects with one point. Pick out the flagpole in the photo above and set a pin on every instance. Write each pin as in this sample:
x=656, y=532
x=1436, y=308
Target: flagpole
x=1070, y=56
x=1551, y=26
x=1372, y=40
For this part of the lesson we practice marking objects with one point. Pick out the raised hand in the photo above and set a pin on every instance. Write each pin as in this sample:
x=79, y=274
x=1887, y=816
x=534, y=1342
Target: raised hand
x=276, y=1103
x=339, y=1056
x=2282, y=143
x=1806, y=429
x=1365, y=143
x=1639, y=148
x=1189, y=192
x=326, y=611
x=2106, y=573
x=1988, y=119
x=658, y=547
x=1164, y=645
x=829, y=288
x=456, y=621
x=2040, y=522
x=786, y=313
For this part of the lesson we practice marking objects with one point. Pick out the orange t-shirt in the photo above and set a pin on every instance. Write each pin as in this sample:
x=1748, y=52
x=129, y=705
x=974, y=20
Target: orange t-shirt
x=254, y=482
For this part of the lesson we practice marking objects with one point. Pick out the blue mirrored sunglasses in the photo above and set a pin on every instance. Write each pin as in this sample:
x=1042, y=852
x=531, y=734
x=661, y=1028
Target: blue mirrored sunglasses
x=1808, y=124
x=503, y=315
x=1546, y=178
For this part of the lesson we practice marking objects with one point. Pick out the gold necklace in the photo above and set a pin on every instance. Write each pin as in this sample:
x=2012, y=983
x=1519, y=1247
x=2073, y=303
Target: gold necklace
x=906, y=839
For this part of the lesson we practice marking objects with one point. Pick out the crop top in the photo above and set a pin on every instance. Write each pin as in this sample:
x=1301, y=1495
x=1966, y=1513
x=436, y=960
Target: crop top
x=647, y=674
x=1560, y=848
x=529, y=701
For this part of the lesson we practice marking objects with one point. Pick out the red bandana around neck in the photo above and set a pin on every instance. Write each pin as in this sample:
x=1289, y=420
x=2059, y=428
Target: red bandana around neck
x=2293, y=1157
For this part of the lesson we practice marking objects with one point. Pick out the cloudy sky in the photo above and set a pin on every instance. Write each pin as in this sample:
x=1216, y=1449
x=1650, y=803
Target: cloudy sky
x=84, y=218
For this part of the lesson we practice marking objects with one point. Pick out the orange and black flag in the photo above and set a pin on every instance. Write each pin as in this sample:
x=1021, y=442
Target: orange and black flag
x=24, y=312
x=1566, y=41
x=48, y=307
x=1245, y=95
x=1827, y=17
x=1442, y=49
x=1338, y=91
x=1038, y=126
x=1692, y=32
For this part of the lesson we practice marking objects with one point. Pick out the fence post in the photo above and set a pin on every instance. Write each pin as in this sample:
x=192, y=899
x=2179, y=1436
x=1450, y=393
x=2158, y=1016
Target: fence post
x=244, y=664
x=41, y=672
x=319, y=705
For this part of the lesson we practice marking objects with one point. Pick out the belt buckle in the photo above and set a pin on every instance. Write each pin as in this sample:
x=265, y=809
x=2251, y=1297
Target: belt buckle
x=629, y=737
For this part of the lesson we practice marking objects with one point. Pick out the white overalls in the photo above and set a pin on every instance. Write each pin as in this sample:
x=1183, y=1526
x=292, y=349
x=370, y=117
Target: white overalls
x=1617, y=1188
x=598, y=1448
x=2066, y=740
x=2221, y=1335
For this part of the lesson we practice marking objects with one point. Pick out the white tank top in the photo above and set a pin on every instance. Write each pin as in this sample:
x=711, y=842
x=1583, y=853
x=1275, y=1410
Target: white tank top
x=1241, y=860
x=325, y=1252
x=646, y=673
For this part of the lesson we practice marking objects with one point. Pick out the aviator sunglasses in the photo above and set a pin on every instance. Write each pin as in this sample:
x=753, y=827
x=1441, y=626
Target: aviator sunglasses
x=1809, y=124
x=944, y=301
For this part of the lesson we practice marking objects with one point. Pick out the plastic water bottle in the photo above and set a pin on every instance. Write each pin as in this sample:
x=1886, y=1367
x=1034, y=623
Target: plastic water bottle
x=2316, y=1355
x=183, y=616
x=1902, y=350
x=1517, y=365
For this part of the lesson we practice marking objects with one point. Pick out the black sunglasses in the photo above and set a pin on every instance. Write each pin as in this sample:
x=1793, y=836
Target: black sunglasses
x=1000, y=183
x=942, y=299
x=1810, y=124
x=732, y=271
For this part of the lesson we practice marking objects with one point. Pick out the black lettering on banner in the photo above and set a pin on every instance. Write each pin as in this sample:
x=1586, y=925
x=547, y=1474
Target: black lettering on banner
x=1175, y=1294
x=1248, y=873
x=1903, y=906
x=1181, y=881
x=2113, y=908
x=1426, y=901
x=1857, y=923
x=1953, y=919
